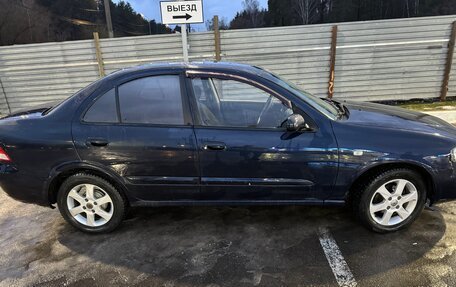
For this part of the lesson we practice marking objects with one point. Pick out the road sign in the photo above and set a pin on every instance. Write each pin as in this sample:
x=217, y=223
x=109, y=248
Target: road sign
x=181, y=12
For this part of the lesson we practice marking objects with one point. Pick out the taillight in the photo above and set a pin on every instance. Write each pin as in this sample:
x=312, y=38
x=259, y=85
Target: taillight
x=4, y=156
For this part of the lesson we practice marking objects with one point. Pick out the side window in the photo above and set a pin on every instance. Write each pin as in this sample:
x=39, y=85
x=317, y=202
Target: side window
x=230, y=103
x=229, y=90
x=152, y=100
x=104, y=110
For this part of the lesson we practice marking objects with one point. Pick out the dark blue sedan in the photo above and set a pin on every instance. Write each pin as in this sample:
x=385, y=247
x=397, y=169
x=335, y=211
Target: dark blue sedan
x=218, y=134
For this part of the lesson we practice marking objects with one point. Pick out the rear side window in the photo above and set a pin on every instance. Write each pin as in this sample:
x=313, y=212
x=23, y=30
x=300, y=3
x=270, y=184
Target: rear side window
x=104, y=110
x=152, y=100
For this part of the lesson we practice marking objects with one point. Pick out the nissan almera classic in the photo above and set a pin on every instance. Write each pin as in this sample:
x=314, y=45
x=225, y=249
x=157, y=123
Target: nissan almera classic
x=222, y=134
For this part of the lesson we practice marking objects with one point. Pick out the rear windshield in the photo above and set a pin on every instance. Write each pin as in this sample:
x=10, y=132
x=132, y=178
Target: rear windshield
x=90, y=88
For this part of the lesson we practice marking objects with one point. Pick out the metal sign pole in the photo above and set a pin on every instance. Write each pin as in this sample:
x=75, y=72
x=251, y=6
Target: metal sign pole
x=184, y=42
x=182, y=12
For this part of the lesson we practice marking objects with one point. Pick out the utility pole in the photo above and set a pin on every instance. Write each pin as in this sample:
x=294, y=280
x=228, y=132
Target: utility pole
x=108, y=18
x=30, y=25
x=29, y=21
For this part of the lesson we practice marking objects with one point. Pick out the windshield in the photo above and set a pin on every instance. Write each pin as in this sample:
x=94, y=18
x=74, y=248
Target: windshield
x=320, y=105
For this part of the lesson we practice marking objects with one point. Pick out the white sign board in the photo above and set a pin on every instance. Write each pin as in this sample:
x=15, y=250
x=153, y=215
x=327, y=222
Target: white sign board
x=181, y=12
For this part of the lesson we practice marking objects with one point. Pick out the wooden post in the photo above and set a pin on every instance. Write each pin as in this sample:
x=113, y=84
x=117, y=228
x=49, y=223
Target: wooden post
x=449, y=62
x=96, y=39
x=218, y=56
x=6, y=98
x=332, y=63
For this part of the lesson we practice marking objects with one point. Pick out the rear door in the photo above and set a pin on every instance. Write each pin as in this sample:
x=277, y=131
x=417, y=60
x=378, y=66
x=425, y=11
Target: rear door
x=141, y=130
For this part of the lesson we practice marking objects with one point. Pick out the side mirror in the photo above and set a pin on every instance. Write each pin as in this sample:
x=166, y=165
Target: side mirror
x=295, y=122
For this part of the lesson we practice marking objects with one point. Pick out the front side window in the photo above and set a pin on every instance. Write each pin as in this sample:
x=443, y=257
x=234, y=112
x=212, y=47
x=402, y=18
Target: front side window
x=229, y=103
x=152, y=100
x=104, y=110
x=317, y=103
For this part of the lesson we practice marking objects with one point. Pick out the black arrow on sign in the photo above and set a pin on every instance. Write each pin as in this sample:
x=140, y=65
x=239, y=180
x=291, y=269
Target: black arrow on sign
x=186, y=16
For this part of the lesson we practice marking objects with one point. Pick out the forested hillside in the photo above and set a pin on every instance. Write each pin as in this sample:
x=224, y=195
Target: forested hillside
x=35, y=21
x=299, y=12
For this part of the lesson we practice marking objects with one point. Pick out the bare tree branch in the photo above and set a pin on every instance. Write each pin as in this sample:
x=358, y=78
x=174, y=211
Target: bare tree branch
x=306, y=10
x=252, y=7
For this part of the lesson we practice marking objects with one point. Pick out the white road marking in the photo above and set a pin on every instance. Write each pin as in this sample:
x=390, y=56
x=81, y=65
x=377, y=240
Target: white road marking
x=336, y=261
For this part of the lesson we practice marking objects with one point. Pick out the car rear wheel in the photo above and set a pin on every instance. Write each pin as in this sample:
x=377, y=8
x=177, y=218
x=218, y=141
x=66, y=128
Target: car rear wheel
x=390, y=200
x=91, y=204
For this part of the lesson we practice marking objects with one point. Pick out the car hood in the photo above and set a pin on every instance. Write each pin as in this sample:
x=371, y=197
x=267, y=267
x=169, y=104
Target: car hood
x=377, y=115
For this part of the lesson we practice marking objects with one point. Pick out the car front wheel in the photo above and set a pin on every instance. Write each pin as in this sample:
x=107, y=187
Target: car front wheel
x=390, y=200
x=91, y=204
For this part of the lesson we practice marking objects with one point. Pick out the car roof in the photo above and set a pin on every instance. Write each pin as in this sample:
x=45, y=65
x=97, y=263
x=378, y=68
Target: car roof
x=223, y=67
x=218, y=66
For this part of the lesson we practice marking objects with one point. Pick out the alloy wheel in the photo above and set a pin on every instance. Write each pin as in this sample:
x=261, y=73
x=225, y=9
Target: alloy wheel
x=393, y=202
x=90, y=205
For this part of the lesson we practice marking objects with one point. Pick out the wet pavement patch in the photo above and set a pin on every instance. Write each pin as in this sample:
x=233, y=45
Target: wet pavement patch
x=222, y=246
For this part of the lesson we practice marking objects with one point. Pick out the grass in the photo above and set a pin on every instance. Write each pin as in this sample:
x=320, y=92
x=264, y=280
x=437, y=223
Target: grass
x=429, y=106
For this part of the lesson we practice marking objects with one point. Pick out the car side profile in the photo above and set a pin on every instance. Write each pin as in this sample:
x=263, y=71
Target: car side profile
x=222, y=134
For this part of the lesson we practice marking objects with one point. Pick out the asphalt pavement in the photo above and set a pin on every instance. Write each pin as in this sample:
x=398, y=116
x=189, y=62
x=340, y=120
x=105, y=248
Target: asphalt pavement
x=225, y=246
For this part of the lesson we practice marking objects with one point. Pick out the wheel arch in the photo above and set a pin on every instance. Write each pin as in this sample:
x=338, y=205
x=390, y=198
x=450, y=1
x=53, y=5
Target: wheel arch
x=59, y=174
x=372, y=170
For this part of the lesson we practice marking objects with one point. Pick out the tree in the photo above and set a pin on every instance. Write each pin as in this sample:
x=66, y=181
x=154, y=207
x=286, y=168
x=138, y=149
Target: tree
x=158, y=28
x=252, y=8
x=223, y=24
x=298, y=12
x=281, y=13
x=70, y=19
x=251, y=17
x=22, y=22
x=35, y=21
x=307, y=10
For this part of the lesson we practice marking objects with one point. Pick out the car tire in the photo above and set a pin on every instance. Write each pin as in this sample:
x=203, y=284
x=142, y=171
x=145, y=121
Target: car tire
x=390, y=200
x=91, y=204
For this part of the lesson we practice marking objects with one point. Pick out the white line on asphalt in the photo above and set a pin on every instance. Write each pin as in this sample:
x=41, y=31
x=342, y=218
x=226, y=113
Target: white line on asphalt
x=335, y=259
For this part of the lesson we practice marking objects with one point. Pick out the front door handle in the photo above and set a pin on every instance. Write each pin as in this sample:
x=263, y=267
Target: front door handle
x=215, y=146
x=99, y=142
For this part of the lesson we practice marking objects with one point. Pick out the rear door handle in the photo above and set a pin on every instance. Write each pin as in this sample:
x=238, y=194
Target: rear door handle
x=215, y=146
x=97, y=142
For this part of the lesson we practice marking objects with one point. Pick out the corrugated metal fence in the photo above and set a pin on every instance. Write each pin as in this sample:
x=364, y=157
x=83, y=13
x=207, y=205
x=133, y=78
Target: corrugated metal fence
x=375, y=60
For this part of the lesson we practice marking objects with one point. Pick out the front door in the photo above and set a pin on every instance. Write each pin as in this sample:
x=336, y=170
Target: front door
x=246, y=153
x=141, y=130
